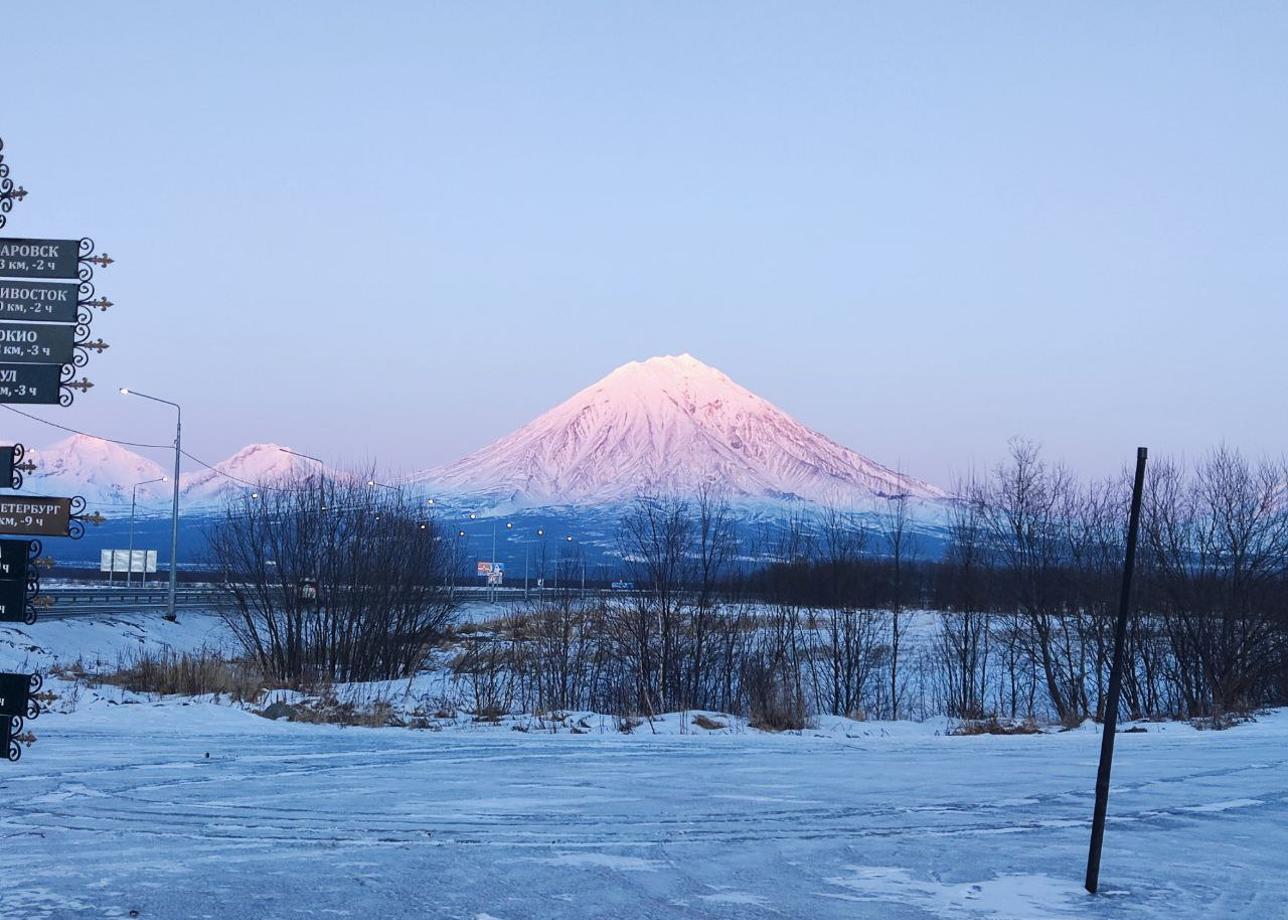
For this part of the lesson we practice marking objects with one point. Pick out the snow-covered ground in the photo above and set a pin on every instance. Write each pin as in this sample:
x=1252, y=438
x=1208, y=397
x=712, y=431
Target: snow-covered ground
x=190, y=809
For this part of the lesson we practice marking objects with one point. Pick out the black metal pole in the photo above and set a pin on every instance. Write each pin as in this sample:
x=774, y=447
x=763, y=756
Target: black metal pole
x=1115, y=683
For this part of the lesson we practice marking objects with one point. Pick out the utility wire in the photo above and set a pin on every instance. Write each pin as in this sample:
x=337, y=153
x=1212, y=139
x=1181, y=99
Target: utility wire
x=99, y=437
x=45, y=421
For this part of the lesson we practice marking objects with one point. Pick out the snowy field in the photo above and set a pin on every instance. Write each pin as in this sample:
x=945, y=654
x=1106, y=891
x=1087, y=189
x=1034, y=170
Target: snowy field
x=177, y=809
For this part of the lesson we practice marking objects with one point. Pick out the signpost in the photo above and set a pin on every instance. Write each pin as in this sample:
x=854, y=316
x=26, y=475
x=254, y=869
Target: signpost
x=46, y=305
x=37, y=515
x=36, y=343
x=15, y=558
x=17, y=702
x=15, y=603
x=40, y=301
x=19, y=581
x=32, y=384
x=20, y=258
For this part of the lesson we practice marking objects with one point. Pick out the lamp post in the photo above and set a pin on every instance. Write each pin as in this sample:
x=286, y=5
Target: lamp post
x=583, y=566
x=456, y=561
x=321, y=473
x=134, y=500
x=526, y=547
x=174, y=514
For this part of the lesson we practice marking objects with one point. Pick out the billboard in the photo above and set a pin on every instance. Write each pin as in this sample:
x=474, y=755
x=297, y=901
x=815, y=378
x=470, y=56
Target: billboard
x=490, y=568
x=119, y=560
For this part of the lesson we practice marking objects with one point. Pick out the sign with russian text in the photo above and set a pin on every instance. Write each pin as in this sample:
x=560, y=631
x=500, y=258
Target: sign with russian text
x=20, y=258
x=13, y=602
x=40, y=301
x=36, y=515
x=15, y=694
x=34, y=343
x=35, y=384
x=14, y=555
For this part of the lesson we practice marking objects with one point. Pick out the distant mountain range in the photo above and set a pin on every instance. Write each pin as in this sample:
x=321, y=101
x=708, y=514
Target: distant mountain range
x=105, y=473
x=667, y=425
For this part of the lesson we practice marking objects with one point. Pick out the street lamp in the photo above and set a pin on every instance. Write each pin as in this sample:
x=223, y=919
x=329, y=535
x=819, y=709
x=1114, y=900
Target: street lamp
x=321, y=474
x=134, y=500
x=583, y=566
x=174, y=514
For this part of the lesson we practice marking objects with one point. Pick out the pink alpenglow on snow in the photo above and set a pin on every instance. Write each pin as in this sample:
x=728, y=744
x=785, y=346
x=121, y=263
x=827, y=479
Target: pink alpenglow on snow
x=669, y=425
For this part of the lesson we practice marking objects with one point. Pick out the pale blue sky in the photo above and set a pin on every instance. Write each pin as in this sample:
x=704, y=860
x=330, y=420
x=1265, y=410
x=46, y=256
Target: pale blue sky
x=400, y=230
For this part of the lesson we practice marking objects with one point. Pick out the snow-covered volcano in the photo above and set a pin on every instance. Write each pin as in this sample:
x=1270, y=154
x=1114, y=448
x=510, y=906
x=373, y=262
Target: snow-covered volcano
x=669, y=425
x=103, y=472
x=250, y=467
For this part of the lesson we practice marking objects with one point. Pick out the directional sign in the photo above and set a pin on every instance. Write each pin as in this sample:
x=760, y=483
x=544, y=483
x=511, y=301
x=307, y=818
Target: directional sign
x=15, y=695
x=41, y=301
x=6, y=467
x=13, y=602
x=14, y=555
x=21, y=258
x=36, y=384
x=34, y=343
x=37, y=515
x=10, y=727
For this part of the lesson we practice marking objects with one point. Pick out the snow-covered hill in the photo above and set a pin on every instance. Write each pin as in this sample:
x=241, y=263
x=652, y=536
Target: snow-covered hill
x=103, y=472
x=670, y=424
x=254, y=465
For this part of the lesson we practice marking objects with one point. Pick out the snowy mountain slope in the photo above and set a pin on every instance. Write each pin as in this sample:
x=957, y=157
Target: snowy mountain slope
x=103, y=472
x=253, y=465
x=670, y=424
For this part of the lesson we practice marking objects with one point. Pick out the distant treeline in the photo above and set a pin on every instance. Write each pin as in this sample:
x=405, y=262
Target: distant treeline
x=1026, y=589
x=339, y=582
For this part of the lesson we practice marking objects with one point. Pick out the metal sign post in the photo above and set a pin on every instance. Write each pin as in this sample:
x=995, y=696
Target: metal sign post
x=1115, y=682
x=40, y=301
x=46, y=304
x=17, y=702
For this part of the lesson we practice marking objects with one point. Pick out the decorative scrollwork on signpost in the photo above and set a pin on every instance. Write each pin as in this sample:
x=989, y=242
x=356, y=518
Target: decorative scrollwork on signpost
x=17, y=465
x=17, y=702
x=9, y=193
x=78, y=518
x=10, y=729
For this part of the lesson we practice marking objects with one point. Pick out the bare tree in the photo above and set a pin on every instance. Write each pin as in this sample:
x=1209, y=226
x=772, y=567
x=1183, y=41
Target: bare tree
x=901, y=545
x=332, y=581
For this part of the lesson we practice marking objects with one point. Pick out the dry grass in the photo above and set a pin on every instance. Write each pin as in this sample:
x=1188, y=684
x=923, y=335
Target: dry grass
x=704, y=721
x=329, y=709
x=776, y=707
x=167, y=672
x=994, y=726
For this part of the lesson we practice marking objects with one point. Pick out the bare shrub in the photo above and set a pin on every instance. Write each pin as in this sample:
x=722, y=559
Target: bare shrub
x=775, y=700
x=485, y=673
x=333, y=580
